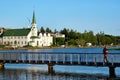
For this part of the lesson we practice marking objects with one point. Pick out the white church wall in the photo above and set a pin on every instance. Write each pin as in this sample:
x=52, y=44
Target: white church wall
x=45, y=39
x=15, y=40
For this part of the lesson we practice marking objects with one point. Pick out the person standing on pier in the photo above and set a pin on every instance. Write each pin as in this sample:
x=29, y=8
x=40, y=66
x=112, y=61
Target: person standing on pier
x=105, y=52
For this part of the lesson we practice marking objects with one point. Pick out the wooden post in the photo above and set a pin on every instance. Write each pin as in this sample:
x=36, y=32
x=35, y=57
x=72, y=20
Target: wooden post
x=71, y=61
x=50, y=68
x=63, y=58
x=95, y=63
x=56, y=58
x=112, y=72
x=49, y=58
x=43, y=58
x=78, y=58
x=1, y=65
x=86, y=59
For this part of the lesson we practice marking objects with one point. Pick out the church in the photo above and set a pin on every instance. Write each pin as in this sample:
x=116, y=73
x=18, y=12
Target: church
x=26, y=36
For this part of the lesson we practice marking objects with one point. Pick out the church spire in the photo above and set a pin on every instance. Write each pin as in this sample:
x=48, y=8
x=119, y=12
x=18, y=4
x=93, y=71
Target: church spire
x=34, y=25
x=33, y=19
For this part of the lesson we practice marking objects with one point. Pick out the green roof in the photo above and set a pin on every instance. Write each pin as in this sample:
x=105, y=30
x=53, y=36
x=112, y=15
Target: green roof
x=16, y=32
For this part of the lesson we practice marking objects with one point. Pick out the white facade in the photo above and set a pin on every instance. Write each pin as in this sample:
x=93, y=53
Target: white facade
x=32, y=38
x=34, y=30
x=1, y=32
x=58, y=35
x=15, y=40
x=89, y=44
x=42, y=40
x=45, y=39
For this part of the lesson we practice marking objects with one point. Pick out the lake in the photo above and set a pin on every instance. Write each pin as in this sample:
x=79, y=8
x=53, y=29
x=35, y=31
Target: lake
x=39, y=72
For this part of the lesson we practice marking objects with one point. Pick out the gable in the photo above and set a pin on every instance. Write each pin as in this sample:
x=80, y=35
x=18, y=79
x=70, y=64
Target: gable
x=16, y=32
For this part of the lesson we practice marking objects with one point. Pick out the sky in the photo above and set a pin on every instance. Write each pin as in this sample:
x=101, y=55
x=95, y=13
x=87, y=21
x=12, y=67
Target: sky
x=79, y=15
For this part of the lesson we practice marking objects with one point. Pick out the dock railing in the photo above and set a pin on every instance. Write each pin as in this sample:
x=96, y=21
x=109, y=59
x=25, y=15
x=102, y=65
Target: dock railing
x=59, y=57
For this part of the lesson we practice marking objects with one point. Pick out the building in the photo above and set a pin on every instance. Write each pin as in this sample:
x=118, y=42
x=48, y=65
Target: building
x=1, y=33
x=89, y=44
x=26, y=36
x=58, y=35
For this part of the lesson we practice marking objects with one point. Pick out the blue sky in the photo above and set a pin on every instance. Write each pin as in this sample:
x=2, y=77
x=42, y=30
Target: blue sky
x=80, y=15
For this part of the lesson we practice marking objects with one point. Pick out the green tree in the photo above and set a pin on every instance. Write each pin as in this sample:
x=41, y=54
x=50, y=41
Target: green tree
x=55, y=31
x=81, y=42
x=48, y=30
x=92, y=38
x=73, y=37
x=66, y=32
x=42, y=30
x=60, y=41
x=72, y=42
x=72, y=34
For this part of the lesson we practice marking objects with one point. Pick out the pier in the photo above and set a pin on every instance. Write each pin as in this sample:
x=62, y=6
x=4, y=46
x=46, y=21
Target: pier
x=61, y=58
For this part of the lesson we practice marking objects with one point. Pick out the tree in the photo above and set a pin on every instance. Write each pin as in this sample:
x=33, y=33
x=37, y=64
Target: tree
x=60, y=41
x=73, y=37
x=66, y=32
x=55, y=31
x=72, y=42
x=72, y=34
x=80, y=42
x=98, y=38
x=92, y=38
x=42, y=30
x=48, y=30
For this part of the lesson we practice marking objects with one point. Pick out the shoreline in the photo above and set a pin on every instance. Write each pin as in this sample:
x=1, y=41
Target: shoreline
x=55, y=47
x=47, y=47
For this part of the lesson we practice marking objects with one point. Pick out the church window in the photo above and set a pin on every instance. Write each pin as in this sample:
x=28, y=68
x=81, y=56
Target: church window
x=4, y=42
x=18, y=42
x=11, y=43
x=15, y=42
x=37, y=43
x=25, y=42
x=8, y=42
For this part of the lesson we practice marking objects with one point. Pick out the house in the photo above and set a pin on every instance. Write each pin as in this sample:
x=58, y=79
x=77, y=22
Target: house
x=1, y=33
x=26, y=36
x=89, y=44
x=58, y=35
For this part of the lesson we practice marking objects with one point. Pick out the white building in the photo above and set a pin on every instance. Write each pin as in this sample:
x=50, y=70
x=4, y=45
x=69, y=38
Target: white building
x=26, y=36
x=89, y=44
x=58, y=35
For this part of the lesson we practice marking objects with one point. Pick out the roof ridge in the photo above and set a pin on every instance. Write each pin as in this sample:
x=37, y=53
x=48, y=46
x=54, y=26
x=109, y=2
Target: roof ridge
x=16, y=32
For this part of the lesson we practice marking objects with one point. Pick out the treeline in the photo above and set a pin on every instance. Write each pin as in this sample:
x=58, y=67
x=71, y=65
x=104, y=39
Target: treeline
x=73, y=37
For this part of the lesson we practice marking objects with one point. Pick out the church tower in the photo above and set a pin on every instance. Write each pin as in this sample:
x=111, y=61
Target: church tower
x=34, y=25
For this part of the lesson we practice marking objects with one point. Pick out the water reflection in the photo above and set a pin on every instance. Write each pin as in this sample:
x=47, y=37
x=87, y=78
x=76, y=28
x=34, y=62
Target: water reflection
x=18, y=74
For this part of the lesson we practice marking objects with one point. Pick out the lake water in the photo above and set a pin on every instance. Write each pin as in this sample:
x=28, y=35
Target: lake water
x=39, y=72
x=82, y=50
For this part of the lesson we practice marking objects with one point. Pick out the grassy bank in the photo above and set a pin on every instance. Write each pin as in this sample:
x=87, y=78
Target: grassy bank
x=30, y=47
x=114, y=49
